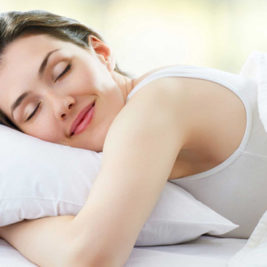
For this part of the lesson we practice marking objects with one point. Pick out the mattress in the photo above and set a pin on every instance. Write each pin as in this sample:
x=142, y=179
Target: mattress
x=205, y=251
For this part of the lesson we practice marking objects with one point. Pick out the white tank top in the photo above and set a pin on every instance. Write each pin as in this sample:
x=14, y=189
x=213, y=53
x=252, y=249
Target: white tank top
x=236, y=188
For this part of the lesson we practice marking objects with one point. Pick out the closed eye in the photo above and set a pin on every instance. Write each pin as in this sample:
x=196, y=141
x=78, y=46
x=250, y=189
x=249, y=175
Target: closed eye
x=32, y=114
x=65, y=71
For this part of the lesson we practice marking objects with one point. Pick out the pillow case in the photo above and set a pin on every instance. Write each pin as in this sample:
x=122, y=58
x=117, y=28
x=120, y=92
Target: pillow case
x=39, y=178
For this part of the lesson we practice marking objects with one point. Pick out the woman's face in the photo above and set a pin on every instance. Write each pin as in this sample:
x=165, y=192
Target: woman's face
x=48, y=84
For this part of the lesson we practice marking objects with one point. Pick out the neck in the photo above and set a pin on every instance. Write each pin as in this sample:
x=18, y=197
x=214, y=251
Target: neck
x=125, y=83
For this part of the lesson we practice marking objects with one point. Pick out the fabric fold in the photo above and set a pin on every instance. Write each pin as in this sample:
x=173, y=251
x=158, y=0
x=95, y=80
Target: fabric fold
x=254, y=253
x=255, y=68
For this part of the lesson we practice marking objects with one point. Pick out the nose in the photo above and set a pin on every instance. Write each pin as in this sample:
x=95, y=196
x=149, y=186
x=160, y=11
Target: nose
x=62, y=105
x=66, y=106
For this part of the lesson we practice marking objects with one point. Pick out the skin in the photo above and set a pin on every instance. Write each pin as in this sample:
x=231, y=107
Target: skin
x=91, y=77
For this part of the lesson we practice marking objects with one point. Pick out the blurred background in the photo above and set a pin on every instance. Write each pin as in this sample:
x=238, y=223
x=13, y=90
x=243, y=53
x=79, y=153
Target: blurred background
x=146, y=34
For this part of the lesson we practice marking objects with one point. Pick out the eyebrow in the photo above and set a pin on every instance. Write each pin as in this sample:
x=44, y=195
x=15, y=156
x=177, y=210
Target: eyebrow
x=42, y=67
x=44, y=63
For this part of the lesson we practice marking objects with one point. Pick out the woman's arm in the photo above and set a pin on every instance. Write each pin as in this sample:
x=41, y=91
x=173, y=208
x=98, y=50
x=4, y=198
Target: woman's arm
x=45, y=241
x=139, y=152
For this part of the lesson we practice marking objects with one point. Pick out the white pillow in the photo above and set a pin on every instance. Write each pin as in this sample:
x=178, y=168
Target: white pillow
x=39, y=178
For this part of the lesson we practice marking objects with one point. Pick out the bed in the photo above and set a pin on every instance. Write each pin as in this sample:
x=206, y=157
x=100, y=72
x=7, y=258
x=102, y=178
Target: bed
x=205, y=251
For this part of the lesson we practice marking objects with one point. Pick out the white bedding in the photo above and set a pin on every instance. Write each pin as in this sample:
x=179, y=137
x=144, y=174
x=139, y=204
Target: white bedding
x=254, y=253
x=206, y=251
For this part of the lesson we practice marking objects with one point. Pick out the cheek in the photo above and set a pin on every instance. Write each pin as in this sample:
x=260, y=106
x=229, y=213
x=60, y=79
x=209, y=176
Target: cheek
x=46, y=131
x=93, y=77
x=78, y=85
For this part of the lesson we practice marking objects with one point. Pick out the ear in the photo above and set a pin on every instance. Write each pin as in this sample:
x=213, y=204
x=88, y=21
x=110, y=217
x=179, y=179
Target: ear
x=102, y=51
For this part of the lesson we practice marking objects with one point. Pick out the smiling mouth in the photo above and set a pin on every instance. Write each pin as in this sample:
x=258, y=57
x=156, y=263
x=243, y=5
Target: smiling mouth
x=83, y=119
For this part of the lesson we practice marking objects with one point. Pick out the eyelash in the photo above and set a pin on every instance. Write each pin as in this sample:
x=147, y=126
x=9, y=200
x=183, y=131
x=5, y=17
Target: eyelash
x=65, y=71
x=62, y=74
x=33, y=111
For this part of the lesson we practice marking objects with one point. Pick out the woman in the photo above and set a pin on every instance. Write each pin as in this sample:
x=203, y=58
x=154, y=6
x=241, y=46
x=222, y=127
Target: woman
x=171, y=123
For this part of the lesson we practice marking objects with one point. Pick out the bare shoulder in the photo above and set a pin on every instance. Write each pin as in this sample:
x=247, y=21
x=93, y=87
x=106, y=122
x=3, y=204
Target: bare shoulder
x=171, y=87
x=168, y=96
x=161, y=89
x=160, y=100
x=159, y=106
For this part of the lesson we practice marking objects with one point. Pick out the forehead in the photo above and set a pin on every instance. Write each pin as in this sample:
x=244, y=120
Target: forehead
x=30, y=46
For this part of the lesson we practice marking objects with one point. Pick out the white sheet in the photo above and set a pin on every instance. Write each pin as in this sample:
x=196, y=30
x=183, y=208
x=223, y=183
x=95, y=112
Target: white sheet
x=204, y=252
x=254, y=253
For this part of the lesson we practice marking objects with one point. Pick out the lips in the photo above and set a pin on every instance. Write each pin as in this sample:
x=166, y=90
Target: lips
x=79, y=119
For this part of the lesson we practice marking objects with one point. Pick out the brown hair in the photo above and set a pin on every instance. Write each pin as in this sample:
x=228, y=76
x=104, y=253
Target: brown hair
x=15, y=24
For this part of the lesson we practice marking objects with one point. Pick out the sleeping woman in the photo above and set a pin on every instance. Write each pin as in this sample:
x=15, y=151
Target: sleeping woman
x=197, y=127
